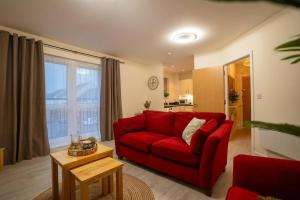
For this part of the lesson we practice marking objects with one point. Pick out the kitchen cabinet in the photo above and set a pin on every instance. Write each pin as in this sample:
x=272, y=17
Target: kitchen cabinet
x=188, y=108
x=186, y=87
x=182, y=109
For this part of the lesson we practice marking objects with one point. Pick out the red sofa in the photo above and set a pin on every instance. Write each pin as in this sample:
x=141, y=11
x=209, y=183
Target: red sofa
x=255, y=176
x=153, y=139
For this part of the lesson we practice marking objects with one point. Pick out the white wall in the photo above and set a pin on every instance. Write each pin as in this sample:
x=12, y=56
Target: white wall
x=277, y=81
x=134, y=76
x=156, y=96
x=212, y=59
x=133, y=87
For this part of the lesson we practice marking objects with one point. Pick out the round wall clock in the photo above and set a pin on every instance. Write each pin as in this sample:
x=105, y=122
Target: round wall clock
x=153, y=82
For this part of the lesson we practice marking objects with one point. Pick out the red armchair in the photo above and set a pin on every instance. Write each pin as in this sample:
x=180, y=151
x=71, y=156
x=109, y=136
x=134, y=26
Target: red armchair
x=255, y=176
x=153, y=139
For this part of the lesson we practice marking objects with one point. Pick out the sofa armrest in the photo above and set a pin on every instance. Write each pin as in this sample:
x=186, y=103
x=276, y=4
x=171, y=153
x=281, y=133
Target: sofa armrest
x=214, y=156
x=126, y=125
x=117, y=136
x=132, y=124
x=199, y=138
x=267, y=176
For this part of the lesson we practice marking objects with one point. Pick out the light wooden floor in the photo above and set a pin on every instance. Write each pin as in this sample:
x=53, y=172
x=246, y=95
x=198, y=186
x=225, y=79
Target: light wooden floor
x=28, y=178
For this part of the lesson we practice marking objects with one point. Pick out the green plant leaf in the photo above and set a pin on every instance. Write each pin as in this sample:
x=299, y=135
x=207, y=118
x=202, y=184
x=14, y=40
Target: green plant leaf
x=295, y=61
x=290, y=44
x=282, y=50
x=283, y=128
x=298, y=35
x=294, y=3
x=297, y=56
x=289, y=57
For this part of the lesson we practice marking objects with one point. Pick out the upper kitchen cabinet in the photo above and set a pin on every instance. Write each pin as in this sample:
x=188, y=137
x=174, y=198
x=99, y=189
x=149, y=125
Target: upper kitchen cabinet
x=186, y=87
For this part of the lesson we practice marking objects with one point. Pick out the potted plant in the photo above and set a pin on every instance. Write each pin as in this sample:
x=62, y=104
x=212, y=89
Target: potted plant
x=233, y=96
x=166, y=95
x=147, y=104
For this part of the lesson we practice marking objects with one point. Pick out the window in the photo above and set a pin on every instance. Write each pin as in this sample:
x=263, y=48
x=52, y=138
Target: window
x=72, y=99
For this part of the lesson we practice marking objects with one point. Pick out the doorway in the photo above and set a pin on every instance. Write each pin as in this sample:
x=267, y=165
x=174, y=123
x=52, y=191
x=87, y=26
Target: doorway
x=238, y=98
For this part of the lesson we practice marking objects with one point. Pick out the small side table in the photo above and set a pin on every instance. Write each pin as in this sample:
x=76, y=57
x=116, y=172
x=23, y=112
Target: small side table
x=1, y=158
x=66, y=162
x=99, y=169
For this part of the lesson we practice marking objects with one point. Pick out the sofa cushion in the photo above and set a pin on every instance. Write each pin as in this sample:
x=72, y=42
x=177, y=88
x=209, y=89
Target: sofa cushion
x=132, y=124
x=181, y=119
x=160, y=122
x=220, y=117
x=174, y=148
x=237, y=193
x=141, y=140
x=200, y=136
x=191, y=129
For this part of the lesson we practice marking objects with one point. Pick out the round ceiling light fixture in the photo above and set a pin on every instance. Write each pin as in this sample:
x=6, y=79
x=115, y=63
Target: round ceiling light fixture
x=184, y=38
x=186, y=35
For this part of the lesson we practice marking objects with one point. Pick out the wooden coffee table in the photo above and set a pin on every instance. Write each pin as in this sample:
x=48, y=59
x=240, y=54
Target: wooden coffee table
x=67, y=163
x=99, y=169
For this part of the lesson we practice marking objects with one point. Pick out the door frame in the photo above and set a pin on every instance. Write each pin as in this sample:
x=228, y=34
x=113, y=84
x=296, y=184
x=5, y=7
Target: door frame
x=225, y=67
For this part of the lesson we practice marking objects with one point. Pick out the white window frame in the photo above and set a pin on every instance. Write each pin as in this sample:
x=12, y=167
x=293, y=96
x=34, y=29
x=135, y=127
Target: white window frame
x=71, y=88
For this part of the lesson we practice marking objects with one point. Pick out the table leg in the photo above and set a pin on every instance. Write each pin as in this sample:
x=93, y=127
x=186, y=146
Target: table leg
x=119, y=184
x=84, y=191
x=104, y=182
x=55, y=190
x=72, y=187
x=110, y=183
x=65, y=185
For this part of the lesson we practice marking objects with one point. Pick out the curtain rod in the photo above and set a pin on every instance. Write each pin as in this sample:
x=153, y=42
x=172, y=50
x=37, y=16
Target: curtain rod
x=76, y=52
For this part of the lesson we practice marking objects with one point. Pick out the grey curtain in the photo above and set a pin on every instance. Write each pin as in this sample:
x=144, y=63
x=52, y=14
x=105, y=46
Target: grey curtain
x=23, y=131
x=110, y=105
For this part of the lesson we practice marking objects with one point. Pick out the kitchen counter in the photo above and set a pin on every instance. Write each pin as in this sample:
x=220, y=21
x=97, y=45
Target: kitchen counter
x=179, y=108
x=177, y=105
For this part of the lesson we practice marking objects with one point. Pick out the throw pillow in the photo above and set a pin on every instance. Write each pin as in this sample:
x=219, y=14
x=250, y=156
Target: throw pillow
x=191, y=128
x=132, y=124
x=201, y=135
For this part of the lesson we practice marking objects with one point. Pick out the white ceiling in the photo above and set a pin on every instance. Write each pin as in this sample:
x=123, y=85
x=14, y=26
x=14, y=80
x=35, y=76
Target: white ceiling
x=135, y=29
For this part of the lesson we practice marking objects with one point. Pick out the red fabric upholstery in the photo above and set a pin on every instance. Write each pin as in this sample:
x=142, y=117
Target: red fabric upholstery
x=160, y=122
x=199, y=138
x=214, y=155
x=236, y=193
x=132, y=124
x=220, y=117
x=175, y=149
x=168, y=167
x=158, y=148
x=183, y=118
x=267, y=176
x=141, y=140
x=117, y=137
